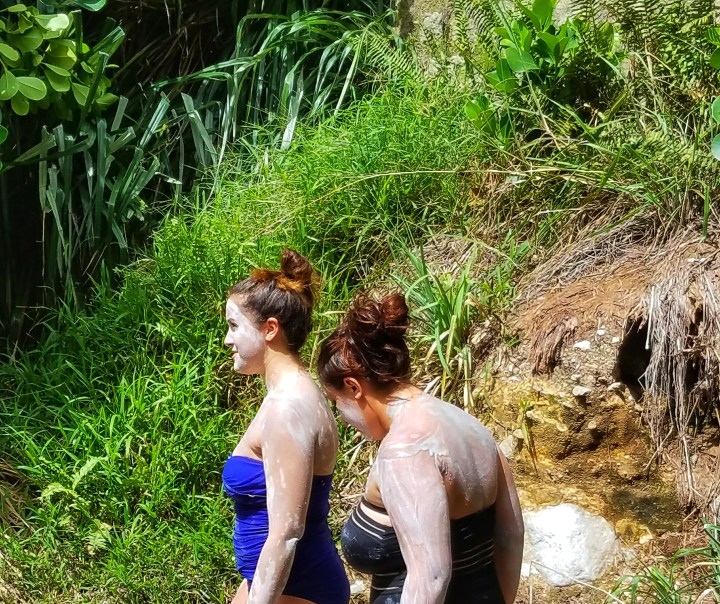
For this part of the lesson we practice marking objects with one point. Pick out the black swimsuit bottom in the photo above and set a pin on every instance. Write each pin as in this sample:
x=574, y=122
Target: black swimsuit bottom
x=373, y=548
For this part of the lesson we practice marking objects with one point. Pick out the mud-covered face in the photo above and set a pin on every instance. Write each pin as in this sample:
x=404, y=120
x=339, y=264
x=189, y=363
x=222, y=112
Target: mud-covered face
x=245, y=340
x=350, y=411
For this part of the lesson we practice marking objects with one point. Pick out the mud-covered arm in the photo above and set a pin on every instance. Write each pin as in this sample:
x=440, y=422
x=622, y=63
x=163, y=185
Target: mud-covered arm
x=287, y=451
x=413, y=493
x=509, y=532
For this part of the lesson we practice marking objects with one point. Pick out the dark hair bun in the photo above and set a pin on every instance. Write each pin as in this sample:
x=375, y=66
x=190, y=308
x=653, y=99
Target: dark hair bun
x=296, y=267
x=368, y=318
x=370, y=343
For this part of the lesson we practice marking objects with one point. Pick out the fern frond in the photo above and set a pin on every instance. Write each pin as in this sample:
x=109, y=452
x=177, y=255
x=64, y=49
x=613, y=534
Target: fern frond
x=461, y=32
x=484, y=16
x=394, y=60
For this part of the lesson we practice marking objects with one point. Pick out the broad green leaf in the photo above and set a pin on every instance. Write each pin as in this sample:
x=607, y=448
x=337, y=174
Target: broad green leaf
x=8, y=86
x=58, y=70
x=23, y=23
x=80, y=93
x=715, y=59
x=9, y=52
x=17, y=8
x=549, y=39
x=716, y=110
x=473, y=110
x=716, y=147
x=57, y=82
x=520, y=60
x=607, y=32
x=64, y=63
x=92, y=5
x=503, y=33
x=20, y=104
x=3, y=134
x=32, y=88
x=532, y=17
x=28, y=41
x=503, y=70
x=57, y=22
x=543, y=10
x=106, y=100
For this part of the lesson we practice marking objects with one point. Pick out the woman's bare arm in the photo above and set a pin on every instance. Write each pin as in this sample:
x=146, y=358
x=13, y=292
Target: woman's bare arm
x=413, y=493
x=287, y=451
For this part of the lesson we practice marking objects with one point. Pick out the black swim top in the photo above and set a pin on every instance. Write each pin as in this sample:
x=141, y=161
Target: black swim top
x=371, y=547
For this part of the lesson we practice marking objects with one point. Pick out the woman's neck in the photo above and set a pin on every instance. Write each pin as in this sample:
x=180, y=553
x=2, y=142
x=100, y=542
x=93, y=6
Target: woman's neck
x=279, y=364
x=386, y=404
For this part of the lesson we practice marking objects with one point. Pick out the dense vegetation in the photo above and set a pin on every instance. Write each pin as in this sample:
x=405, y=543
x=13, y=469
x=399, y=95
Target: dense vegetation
x=115, y=425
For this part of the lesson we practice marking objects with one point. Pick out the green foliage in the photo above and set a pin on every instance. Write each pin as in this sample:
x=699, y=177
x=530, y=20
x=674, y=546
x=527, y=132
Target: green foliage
x=687, y=577
x=46, y=63
x=103, y=182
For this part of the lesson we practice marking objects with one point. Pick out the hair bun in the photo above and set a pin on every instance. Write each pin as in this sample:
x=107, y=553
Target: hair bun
x=368, y=318
x=297, y=275
x=296, y=267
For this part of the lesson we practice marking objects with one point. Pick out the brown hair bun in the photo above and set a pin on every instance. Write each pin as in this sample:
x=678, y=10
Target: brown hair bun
x=296, y=275
x=369, y=343
x=368, y=318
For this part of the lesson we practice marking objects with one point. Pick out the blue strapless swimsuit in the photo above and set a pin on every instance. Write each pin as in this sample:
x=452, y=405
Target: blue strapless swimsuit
x=317, y=573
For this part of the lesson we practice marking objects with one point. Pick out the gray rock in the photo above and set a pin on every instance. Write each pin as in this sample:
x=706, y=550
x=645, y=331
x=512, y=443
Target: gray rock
x=433, y=25
x=581, y=391
x=565, y=544
x=508, y=446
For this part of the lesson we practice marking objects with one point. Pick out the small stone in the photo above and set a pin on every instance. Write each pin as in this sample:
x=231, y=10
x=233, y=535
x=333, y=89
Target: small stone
x=518, y=434
x=508, y=447
x=592, y=425
x=581, y=391
x=588, y=380
x=616, y=387
x=357, y=587
x=576, y=377
x=583, y=345
x=615, y=340
x=601, y=332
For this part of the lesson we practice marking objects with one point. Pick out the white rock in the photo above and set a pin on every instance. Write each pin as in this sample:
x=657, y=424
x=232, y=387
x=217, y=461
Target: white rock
x=583, y=345
x=615, y=340
x=601, y=332
x=357, y=587
x=508, y=447
x=581, y=391
x=565, y=544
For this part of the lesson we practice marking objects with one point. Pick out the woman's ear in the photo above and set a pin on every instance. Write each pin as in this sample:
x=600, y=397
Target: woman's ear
x=271, y=329
x=353, y=386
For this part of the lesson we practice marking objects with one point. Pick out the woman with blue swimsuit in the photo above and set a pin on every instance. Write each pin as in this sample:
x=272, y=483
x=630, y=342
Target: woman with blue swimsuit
x=440, y=520
x=280, y=473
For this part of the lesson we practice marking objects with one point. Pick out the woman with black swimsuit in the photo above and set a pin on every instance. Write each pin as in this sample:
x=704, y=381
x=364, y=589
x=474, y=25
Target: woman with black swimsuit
x=440, y=520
